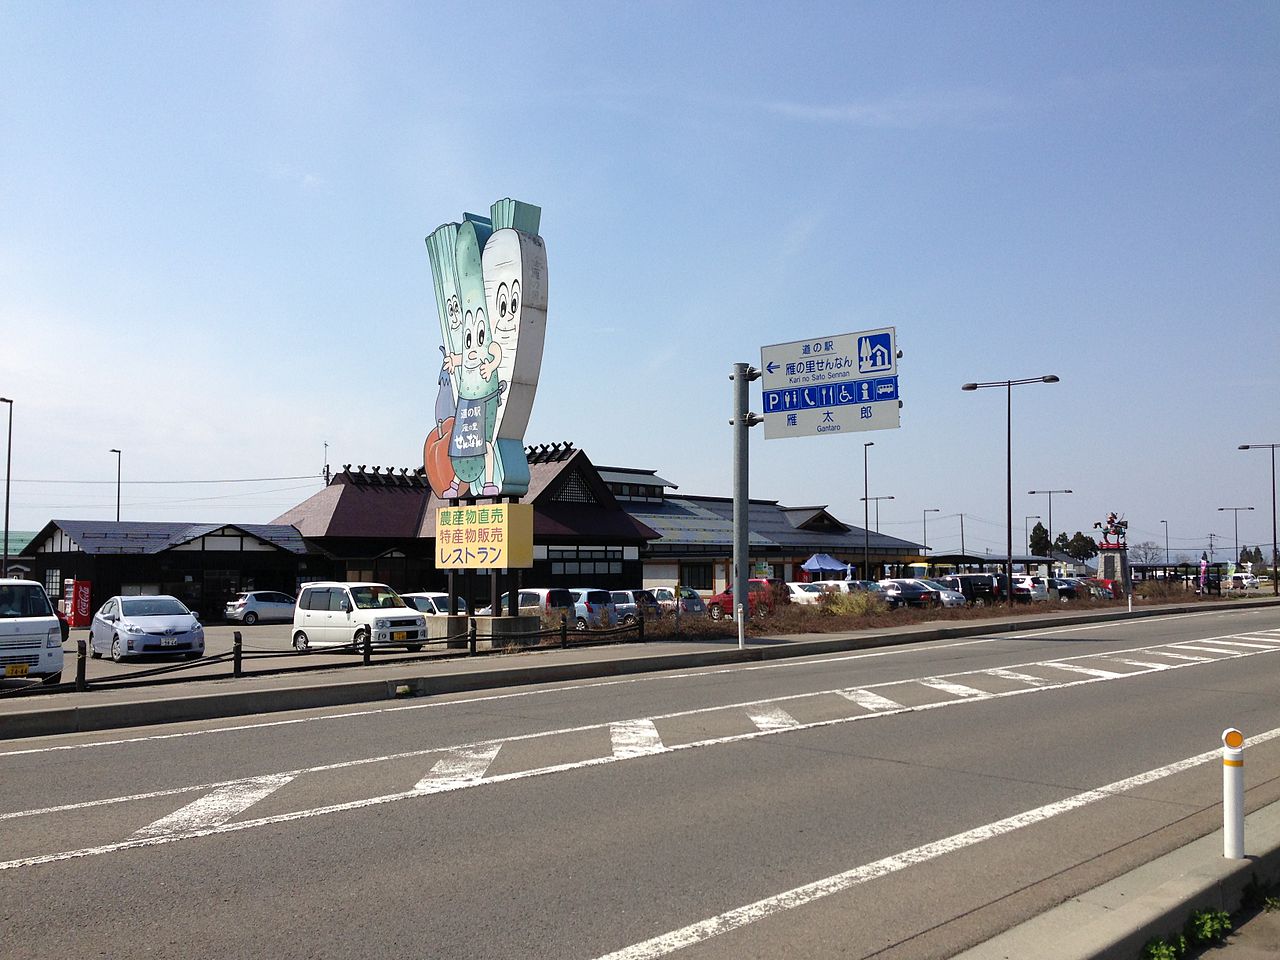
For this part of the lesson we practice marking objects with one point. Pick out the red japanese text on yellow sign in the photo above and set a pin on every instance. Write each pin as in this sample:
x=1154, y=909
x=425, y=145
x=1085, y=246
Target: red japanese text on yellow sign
x=493, y=537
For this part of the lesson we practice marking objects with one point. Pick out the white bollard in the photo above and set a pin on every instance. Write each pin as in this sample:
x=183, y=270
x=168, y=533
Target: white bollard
x=1232, y=794
x=742, y=628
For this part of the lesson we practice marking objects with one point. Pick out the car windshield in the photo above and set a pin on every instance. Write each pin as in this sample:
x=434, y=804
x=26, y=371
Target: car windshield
x=934, y=585
x=23, y=600
x=152, y=607
x=644, y=596
x=688, y=594
x=370, y=597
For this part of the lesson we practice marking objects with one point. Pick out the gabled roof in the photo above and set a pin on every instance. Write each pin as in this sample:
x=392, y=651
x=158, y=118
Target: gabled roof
x=147, y=537
x=816, y=519
x=631, y=475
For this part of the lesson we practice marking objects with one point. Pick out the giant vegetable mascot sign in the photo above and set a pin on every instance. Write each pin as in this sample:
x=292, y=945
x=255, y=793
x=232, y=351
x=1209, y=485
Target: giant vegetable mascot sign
x=491, y=294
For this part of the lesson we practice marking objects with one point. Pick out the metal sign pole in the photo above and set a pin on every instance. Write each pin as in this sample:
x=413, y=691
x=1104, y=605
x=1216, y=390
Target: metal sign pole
x=743, y=374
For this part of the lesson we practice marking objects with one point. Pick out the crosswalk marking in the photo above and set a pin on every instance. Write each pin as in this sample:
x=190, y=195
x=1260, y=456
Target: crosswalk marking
x=1180, y=656
x=771, y=718
x=1020, y=677
x=1192, y=646
x=955, y=689
x=869, y=700
x=1087, y=671
x=459, y=768
x=216, y=808
x=635, y=738
x=1241, y=643
x=1140, y=663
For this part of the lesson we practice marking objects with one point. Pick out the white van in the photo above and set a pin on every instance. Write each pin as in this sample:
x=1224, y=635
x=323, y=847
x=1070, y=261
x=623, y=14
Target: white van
x=30, y=636
x=331, y=614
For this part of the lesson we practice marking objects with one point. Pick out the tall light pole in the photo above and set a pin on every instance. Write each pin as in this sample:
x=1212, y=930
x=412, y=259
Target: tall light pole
x=1166, y=542
x=8, y=469
x=1050, y=493
x=118, y=455
x=1275, y=551
x=1236, y=512
x=1026, y=531
x=877, y=503
x=866, y=515
x=924, y=517
x=1009, y=385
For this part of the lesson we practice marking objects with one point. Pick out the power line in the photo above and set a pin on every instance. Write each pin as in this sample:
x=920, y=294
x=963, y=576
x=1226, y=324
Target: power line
x=136, y=482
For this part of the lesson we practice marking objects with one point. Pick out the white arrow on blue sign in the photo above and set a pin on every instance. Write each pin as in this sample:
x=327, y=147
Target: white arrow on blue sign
x=840, y=384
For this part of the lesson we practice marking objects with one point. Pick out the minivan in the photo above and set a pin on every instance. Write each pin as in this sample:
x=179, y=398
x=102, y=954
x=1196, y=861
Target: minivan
x=331, y=614
x=30, y=636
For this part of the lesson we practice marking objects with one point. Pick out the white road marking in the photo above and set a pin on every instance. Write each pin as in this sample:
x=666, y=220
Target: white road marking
x=955, y=689
x=217, y=808
x=1242, y=643
x=461, y=767
x=772, y=718
x=871, y=701
x=1087, y=671
x=675, y=940
x=1181, y=656
x=635, y=738
x=1020, y=677
x=1139, y=663
x=1204, y=649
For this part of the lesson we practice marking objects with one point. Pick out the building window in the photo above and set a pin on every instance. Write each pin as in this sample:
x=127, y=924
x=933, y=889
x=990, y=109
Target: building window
x=53, y=582
x=575, y=490
x=698, y=576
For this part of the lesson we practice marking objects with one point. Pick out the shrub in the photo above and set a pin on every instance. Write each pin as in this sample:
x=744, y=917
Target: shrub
x=859, y=604
x=1208, y=926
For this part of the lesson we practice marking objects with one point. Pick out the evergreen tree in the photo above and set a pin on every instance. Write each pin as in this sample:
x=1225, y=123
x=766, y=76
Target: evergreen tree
x=1039, y=544
x=1082, y=547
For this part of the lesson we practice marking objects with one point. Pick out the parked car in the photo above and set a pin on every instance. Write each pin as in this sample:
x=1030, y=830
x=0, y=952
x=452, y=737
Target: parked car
x=910, y=593
x=1036, y=587
x=764, y=595
x=1242, y=581
x=1067, y=587
x=690, y=600
x=265, y=605
x=593, y=607
x=331, y=614
x=537, y=602
x=978, y=589
x=805, y=593
x=1101, y=589
x=145, y=625
x=32, y=634
x=433, y=604
x=631, y=603
x=947, y=596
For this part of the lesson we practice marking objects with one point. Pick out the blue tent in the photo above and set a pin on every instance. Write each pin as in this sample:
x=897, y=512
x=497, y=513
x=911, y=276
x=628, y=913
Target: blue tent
x=824, y=563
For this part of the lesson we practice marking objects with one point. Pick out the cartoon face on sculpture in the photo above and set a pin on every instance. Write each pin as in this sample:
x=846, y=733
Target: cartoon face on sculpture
x=492, y=323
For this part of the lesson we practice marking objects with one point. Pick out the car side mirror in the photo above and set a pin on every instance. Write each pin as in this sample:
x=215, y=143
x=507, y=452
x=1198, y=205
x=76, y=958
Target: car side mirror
x=345, y=605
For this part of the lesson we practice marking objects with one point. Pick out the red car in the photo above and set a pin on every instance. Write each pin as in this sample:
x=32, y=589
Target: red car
x=763, y=594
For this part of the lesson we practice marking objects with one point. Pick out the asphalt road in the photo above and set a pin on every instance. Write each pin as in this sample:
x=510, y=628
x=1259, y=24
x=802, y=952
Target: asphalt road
x=895, y=803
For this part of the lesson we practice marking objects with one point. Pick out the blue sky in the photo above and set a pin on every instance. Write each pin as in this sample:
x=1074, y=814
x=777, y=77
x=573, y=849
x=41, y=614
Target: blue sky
x=212, y=256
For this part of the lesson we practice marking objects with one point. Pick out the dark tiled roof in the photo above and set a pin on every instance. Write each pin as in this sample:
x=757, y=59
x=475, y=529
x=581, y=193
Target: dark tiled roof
x=143, y=537
x=708, y=521
x=629, y=475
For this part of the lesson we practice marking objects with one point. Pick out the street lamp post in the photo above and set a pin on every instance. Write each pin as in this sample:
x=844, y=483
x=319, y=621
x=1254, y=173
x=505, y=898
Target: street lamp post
x=1009, y=385
x=877, y=500
x=1166, y=542
x=925, y=533
x=1026, y=530
x=866, y=514
x=8, y=469
x=1275, y=552
x=1236, y=513
x=1050, y=493
x=118, y=455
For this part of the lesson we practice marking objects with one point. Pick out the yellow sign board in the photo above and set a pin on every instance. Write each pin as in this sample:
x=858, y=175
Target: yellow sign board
x=491, y=537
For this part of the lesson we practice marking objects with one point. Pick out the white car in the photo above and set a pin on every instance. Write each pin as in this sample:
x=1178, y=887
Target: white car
x=331, y=614
x=252, y=606
x=806, y=593
x=145, y=626
x=30, y=636
x=433, y=604
x=1244, y=581
x=1037, y=585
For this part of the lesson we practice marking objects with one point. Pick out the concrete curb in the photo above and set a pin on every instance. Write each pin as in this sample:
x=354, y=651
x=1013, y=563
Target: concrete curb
x=1115, y=920
x=49, y=719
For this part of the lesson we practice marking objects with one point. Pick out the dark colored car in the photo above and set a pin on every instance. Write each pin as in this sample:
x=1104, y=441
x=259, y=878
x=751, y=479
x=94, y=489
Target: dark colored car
x=979, y=589
x=911, y=593
x=1067, y=589
x=763, y=595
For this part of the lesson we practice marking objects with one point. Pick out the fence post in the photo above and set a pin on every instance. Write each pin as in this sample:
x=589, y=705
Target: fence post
x=236, y=645
x=471, y=639
x=368, y=646
x=564, y=632
x=81, y=656
x=640, y=624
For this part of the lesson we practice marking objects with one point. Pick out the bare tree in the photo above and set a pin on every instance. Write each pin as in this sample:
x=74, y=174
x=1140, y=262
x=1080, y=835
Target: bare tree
x=1148, y=551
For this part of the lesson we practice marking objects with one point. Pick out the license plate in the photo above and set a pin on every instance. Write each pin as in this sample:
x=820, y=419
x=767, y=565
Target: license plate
x=15, y=670
x=168, y=641
x=400, y=635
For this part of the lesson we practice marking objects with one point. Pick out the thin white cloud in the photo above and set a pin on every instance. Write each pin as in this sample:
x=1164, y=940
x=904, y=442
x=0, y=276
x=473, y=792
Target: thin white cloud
x=961, y=107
